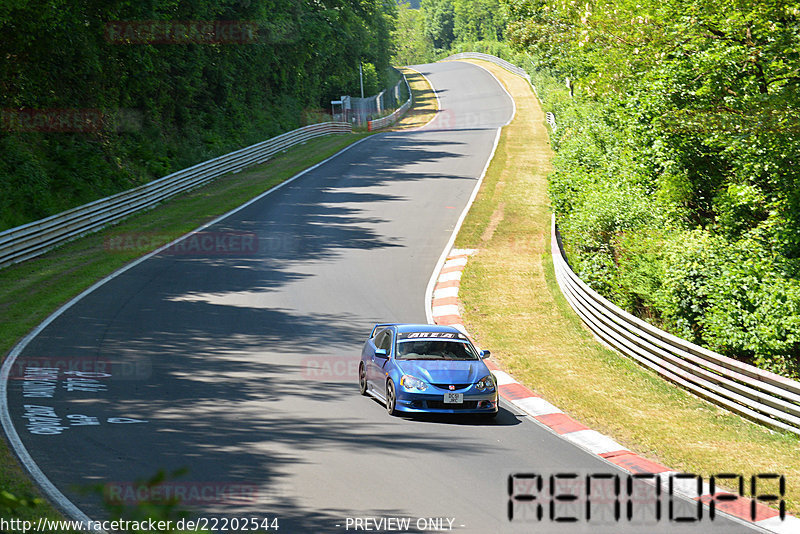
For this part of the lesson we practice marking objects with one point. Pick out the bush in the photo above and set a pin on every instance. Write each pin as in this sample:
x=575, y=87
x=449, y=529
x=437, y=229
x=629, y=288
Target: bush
x=676, y=182
x=622, y=210
x=169, y=106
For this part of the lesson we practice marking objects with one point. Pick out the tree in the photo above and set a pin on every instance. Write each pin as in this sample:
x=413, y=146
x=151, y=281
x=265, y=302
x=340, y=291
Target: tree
x=439, y=15
x=684, y=127
x=412, y=44
x=193, y=98
x=478, y=20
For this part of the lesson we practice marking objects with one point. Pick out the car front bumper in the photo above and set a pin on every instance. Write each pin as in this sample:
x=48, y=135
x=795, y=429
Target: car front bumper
x=433, y=402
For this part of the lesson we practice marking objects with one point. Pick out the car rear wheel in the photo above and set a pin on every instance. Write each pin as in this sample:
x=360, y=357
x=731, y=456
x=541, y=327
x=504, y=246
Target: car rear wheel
x=391, y=398
x=362, y=378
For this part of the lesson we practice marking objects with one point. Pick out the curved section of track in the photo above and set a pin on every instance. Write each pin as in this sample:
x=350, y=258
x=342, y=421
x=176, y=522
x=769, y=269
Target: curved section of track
x=237, y=360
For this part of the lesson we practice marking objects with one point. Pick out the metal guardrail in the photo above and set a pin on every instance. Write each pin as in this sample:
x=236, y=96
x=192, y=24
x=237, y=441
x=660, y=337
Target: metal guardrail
x=551, y=120
x=35, y=238
x=759, y=395
x=494, y=59
x=383, y=122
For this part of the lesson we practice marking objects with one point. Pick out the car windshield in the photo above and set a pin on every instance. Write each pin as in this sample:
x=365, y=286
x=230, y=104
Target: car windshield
x=435, y=350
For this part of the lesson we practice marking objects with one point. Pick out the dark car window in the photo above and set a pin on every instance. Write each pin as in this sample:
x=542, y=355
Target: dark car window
x=384, y=340
x=435, y=350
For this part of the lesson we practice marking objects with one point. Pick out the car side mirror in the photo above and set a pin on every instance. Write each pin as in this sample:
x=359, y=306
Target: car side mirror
x=381, y=353
x=485, y=354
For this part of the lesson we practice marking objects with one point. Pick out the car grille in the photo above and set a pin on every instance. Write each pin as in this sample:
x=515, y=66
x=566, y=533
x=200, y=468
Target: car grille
x=457, y=386
x=439, y=405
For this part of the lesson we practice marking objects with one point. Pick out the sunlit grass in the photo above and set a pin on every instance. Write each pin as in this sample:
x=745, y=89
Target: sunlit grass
x=425, y=104
x=513, y=306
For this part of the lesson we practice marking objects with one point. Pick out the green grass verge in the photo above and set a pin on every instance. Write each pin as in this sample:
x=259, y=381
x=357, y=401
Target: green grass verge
x=425, y=104
x=513, y=305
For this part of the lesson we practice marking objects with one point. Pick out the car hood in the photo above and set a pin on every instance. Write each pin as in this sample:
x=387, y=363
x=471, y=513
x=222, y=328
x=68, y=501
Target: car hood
x=445, y=371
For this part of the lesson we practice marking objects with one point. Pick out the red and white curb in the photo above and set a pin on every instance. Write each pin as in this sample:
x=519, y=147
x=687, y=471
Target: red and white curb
x=445, y=311
x=445, y=293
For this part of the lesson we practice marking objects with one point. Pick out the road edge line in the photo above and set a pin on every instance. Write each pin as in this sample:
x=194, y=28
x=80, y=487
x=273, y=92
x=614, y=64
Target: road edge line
x=549, y=416
x=60, y=501
x=443, y=257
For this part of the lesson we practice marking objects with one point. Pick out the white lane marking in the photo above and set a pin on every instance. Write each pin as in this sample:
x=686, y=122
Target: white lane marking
x=536, y=406
x=446, y=252
x=445, y=292
x=686, y=487
x=454, y=234
x=58, y=498
x=503, y=378
x=448, y=309
x=447, y=277
x=790, y=525
x=455, y=262
x=593, y=441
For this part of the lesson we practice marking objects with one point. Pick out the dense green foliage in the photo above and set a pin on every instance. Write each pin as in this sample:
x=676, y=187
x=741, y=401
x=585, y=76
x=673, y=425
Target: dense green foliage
x=441, y=25
x=677, y=185
x=412, y=45
x=167, y=101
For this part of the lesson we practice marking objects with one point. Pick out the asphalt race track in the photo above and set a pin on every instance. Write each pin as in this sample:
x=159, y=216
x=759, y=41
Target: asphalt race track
x=236, y=358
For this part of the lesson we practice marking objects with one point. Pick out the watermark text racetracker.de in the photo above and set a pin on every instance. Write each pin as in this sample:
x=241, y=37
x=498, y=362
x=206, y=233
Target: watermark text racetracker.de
x=207, y=243
x=330, y=368
x=192, y=493
x=37, y=370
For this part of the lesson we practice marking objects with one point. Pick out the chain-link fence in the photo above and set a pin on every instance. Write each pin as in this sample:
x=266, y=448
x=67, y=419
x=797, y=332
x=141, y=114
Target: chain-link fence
x=360, y=110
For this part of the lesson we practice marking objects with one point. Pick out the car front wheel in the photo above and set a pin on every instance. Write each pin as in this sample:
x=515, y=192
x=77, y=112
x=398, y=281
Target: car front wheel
x=362, y=379
x=391, y=398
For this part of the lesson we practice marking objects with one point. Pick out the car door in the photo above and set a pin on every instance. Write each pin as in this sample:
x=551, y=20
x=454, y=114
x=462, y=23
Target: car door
x=376, y=373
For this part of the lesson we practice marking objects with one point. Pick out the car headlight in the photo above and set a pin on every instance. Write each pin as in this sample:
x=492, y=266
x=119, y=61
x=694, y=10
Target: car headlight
x=412, y=382
x=487, y=382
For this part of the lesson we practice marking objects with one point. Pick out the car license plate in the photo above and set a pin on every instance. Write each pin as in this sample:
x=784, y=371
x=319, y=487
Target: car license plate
x=453, y=398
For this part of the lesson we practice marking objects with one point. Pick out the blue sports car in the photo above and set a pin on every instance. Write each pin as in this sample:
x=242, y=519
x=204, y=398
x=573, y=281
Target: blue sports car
x=426, y=368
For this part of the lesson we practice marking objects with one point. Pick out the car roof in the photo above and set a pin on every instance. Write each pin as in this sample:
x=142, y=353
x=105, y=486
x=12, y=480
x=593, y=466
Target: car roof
x=411, y=327
x=425, y=328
